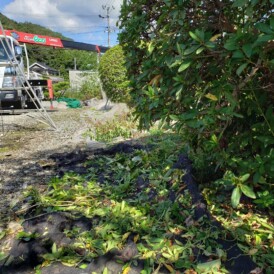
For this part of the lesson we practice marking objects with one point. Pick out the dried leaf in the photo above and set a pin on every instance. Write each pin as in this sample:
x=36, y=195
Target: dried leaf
x=136, y=238
x=215, y=37
x=125, y=236
x=211, y=97
x=155, y=80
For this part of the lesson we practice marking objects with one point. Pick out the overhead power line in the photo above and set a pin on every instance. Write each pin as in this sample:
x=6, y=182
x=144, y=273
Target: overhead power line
x=108, y=9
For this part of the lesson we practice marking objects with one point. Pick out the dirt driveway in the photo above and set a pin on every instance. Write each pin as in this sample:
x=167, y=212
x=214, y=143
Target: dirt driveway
x=26, y=145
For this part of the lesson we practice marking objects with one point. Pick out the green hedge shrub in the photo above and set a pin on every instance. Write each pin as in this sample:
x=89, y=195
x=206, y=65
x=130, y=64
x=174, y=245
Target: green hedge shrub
x=113, y=75
x=60, y=86
x=90, y=89
x=205, y=68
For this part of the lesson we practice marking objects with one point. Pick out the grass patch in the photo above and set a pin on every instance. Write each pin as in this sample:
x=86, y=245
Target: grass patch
x=107, y=131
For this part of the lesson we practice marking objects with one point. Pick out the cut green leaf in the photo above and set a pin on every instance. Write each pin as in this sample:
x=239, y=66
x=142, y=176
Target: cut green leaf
x=150, y=48
x=83, y=266
x=54, y=248
x=209, y=266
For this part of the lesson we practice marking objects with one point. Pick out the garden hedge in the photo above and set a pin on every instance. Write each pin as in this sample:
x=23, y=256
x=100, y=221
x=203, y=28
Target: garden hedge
x=205, y=68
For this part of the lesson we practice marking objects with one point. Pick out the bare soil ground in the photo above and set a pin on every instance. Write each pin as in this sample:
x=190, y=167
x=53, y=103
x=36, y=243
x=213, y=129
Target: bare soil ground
x=26, y=145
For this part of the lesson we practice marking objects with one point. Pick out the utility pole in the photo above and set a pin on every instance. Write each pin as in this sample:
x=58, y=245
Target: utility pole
x=109, y=30
x=75, y=66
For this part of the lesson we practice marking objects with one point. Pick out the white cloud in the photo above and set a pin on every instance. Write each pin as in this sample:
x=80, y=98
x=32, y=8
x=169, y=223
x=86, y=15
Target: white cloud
x=65, y=16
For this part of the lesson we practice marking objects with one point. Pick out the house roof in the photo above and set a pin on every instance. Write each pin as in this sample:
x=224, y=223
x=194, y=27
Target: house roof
x=42, y=65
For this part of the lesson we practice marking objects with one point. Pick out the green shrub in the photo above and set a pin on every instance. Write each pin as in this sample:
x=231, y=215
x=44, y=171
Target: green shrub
x=90, y=89
x=207, y=71
x=60, y=86
x=123, y=126
x=46, y=94
x=113, y=75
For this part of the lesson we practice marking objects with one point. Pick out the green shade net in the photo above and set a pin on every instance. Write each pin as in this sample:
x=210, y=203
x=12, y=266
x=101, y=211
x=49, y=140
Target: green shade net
x=71, y=103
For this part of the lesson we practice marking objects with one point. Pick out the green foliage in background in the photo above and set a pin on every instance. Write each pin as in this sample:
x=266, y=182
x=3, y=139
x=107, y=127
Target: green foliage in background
x=206, y=69
x=86, y=93
x=121, y=127
x=61, y=86
x=90, y=88
x=113, y=75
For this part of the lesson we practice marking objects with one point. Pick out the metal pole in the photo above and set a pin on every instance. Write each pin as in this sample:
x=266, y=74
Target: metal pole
x=27, y=59
x=2, y=121
x=108, y=21
x=75, y=67
x=108, y=27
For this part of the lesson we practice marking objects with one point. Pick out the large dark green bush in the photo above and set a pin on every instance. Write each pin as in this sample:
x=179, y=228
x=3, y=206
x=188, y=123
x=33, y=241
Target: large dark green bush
x=206, y=68
x=113, y=75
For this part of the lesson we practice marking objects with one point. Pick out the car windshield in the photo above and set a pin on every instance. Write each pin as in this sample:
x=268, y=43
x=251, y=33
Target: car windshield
x=4, y=50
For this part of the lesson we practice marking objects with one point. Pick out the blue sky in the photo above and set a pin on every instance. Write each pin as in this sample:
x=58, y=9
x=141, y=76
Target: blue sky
x=76, y=19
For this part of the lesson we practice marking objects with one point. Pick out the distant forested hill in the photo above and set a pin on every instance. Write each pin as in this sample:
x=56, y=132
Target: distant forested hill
x=60, y=59
x=28, y=27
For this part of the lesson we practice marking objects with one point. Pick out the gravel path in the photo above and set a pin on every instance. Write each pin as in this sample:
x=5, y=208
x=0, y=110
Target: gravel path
x=26, y=144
